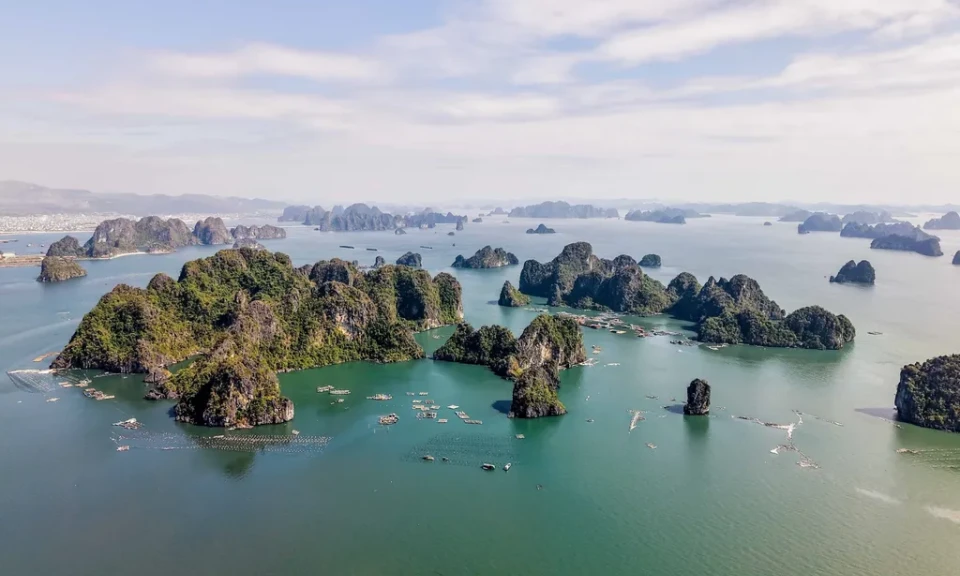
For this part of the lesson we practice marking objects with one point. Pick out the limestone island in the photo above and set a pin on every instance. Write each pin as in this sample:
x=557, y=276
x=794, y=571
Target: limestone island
x=541, y=229
x=155, y=235
x=852, y=272
x=459, y=226
x=411, y=259
x=487, y=257
x=956, y=258
x=248, y=243
x=245, y=315
x=949, y=221
x=698, y=398
x=533, y=361
x=820, y=222
x=872, y=231
x=560, y=210
x=733, y=311
x=59, y=269
x=510, y=297
x=651, y=261
x=477, y=220
x=360, y=217
x=664, y=216
x=796, y=216
x=916, y=241
x=928, y=394
x=865, y=217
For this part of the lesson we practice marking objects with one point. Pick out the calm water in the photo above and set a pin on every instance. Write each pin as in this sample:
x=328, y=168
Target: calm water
x=710, y=499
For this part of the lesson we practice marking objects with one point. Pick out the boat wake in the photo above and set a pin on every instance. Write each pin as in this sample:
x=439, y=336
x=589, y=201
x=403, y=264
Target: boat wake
x=887, y=499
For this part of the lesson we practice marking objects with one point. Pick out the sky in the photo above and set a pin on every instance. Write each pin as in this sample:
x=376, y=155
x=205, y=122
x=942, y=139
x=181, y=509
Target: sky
x=435, y=101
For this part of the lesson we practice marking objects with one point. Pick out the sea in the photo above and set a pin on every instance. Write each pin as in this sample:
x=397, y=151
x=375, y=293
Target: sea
x=333, y=492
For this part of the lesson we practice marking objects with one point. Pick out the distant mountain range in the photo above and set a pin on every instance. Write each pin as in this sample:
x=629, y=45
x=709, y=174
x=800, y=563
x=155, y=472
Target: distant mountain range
x=24, y=198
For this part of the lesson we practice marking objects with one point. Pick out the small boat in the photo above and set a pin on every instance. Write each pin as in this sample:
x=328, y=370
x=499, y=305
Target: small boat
x=430, y=415
x=520, y=436
x=423, y=393
x=54, y=399
x=651, y=446
x=428, y=458
x=441, y=421
x=322, y=389
x=487, y=466
x=295, y=432
x=123, y=448
x=473, y=421
x=339, y=392
x=427, y=247
x=462, y=415
x=506, y=467
x=411, y=394
x=389, y=419
x=371, y=249
x=453, y=406
x=380, y=397
x=347, y=247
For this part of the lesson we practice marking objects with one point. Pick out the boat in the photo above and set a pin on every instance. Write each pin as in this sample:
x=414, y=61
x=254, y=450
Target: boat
x=487, y=466
x=441, y=421
x=651, y=446
x=371, y=249
x=54, y=399
x=129, y=424
x=473, y=421
x=411, y=394
x=346, y=246
x=339, y=400
x=380, y=397
x=506, y=467
x=453, y=406
x=389, y=419
x=428, y=458
x=462, y=415
x=430, y=415
x=427, y=247
x=520, y=436
x=123, y=448
x=322, y=389
x=423, y=393
x=339, y=392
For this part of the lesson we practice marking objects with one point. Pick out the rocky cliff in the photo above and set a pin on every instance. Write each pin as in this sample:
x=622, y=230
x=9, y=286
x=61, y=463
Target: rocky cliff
x=918, y=241
x=651, y=261
x=265, y=232
x=487, y=257
x=862, y=273
x=149, y=234
x=796, y=216
x=294, y=214
x=58, y=269
x=460, y=224
x=411, y=259
x=956, y=258
x=664, y=216
x=352, y=218
x=212, y=231
x=698, y=398
x=820, y=222
x=949, y=221
x=535, y=396
x=256, y=304
x=865, y=217
x=928, y=394
x=66, y=247
x=511, y=297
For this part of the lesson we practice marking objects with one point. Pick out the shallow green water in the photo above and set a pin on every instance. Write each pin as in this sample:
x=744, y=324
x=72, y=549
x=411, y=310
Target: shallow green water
x=710, y=499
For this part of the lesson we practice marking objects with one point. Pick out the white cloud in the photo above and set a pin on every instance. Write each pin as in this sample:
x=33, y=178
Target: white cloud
x=267, y=59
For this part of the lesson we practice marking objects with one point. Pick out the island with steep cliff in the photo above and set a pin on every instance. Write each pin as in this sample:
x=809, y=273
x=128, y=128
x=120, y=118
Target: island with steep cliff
x=541, y=229
x=510, y=297
x=915, y=241
x=561, y=210
x=949, y=221
x=855, y=273
x=487, y=257
x=533, y=361
x=411, y=259
x=820, y=222
x=247, y=314
x=956, y=258
x=651, y=261
x=361, y=217
x=860, y=230
x=733, y=311
x=59, y=269
x=698, y=398
x=928, y=394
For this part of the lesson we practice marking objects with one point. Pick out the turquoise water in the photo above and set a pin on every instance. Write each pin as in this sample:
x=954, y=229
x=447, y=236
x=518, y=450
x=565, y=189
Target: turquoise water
x=710, y=499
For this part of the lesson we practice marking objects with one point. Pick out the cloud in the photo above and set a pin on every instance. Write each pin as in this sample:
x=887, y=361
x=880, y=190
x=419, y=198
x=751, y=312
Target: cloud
x=266, y=59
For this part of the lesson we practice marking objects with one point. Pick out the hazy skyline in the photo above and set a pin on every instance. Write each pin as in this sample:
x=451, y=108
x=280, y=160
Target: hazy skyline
x=691, y=100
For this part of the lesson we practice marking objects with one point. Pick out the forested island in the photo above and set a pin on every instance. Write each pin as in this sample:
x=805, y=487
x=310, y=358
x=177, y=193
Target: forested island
x=533, y=361
x=247, y=314
x=155, y=235
x=928, y=394
x=734, y=311
x=510, y=297
x=872, y=231
x=916, y=241
x=561, y=210
x=59, y=269
x=487, y=257
x=856, y=273
x=820, y=222
x=361, y=217
x=663, y=216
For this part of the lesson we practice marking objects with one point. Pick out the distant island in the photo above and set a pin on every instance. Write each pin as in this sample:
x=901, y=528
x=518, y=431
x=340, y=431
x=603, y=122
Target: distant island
x=541, y=229
x=487, y=257
x=928, y=394
x=411, y=259
x=915, y=241
x=949, y=221
x=852, y=272
x=866, y=217
x=796, y=216
x=59, y=269
x=561, y=210
x=247, y=314
x=533, y=361
x=360, y=217
x=651, y=261
x=664, y=216
x=859, y=230
x=820, y=222
x=155, y=235
x=956, y=258
x=731, y=311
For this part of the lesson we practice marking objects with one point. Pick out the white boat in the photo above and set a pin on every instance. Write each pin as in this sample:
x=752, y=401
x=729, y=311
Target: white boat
x=506, y=467
x=453, y=406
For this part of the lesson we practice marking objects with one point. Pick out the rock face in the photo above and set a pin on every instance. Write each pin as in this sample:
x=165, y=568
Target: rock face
x=410, y=259
x=511, y=297
x=929, y=394
x=541, y=229
x=352, y=218
x=918, y=241
x=956, y=258
x=698, y=398
x=664, y=216
x=579, y=279
x=796, y=216
x=820, y=222
x=862, y=273
x=248, y=243
x=149, y=234
x=212, y=231
x=858, y=230
x=249, y=314
x=266, y=232
x=548, y=345
x=949, y=221
x=66, y=247
x=58, y=269
x=560, y=210
x=379, y=262
x=651, y=261
x=294, y=214
x=487, y=257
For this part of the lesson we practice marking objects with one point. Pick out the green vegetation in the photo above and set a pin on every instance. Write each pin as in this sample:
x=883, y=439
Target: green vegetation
x=862, y=273
x=411, y=259
x=651, y=261
x=534, y=396
x=487, y=257
x=256, y=305
x=58, y=269
x=490, y=346
x=511, y=297
x=929, y=393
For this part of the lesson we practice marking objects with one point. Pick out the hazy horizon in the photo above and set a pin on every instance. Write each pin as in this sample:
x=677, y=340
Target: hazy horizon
x=452, y=102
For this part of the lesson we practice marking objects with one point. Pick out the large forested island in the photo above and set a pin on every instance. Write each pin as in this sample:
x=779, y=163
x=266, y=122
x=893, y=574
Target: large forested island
x=156, y=235
x=247, y=314
x=929, y=393
x=548, y=345
x=734, y=311
x=487, y=257
x=562, y=210
x=59, y=269
x=361, y=217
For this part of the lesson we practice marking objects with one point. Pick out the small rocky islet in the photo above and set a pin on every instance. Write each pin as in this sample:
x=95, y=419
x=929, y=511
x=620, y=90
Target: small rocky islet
x=541, y=229
x=59, y=269
x=698, y=398
x=510, y=297
x=928, y=394
x=487, y=257
x=856, y=273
